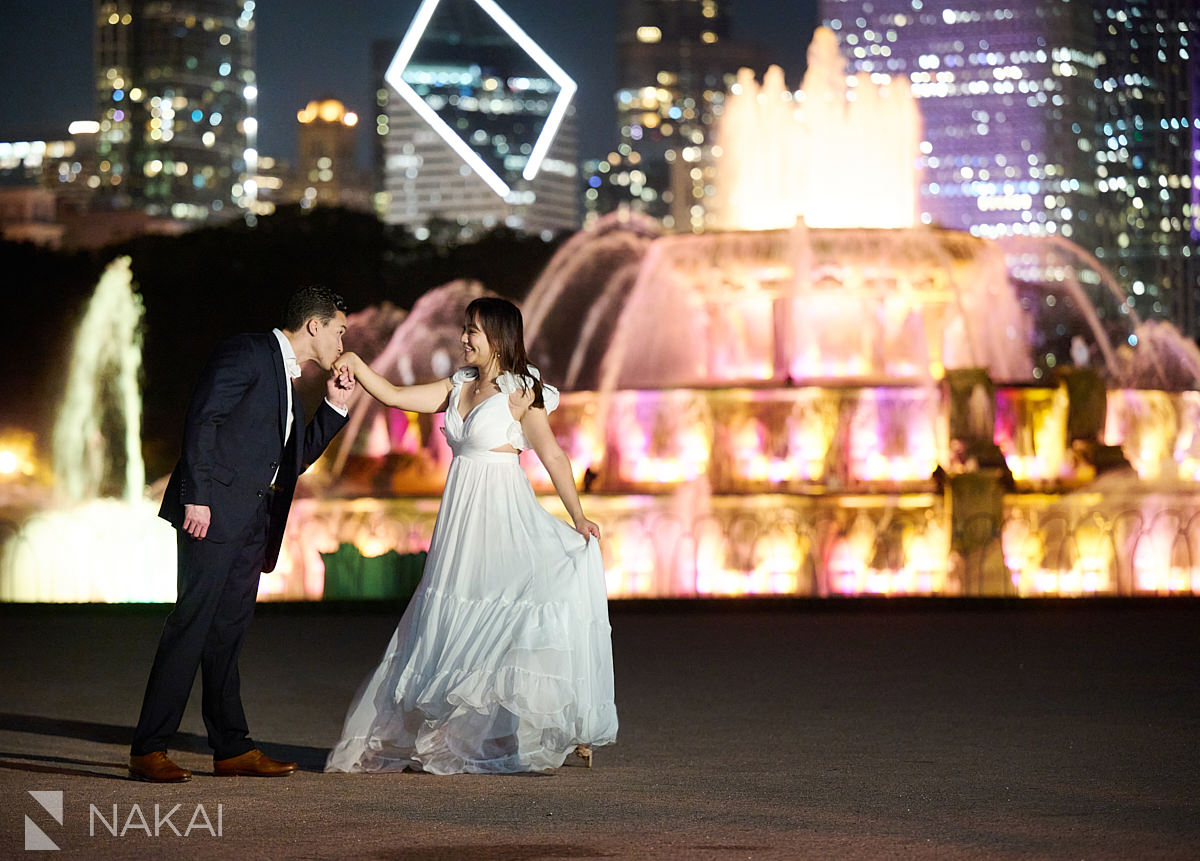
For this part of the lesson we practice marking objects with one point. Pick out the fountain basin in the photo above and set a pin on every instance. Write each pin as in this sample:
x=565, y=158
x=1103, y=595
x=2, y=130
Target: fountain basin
x=1119, y=542
x=99, y=551
x=731, y=491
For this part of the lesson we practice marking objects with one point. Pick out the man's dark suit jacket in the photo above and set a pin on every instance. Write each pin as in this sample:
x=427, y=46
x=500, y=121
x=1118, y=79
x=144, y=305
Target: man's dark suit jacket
x=233, y=442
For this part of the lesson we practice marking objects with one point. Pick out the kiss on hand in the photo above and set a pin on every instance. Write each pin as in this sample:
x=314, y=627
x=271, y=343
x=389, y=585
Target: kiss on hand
x=341, y=386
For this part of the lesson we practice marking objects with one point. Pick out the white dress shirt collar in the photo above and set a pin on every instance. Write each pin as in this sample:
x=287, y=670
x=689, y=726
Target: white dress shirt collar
x=292, y=368
x=290, y=365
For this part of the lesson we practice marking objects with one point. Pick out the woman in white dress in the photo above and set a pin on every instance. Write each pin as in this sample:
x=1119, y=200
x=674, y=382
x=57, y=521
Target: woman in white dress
x=502, y=661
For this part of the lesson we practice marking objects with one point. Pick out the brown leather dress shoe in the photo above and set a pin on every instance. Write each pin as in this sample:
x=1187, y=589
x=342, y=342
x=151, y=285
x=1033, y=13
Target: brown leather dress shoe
x=157, y=768
x=252, y=763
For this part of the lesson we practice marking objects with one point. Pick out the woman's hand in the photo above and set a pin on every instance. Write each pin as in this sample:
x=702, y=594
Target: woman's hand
x=587, y=528
x=349, y=360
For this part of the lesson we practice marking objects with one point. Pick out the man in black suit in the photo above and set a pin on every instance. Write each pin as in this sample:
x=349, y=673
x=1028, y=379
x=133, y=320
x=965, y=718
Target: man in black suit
x=245, y=443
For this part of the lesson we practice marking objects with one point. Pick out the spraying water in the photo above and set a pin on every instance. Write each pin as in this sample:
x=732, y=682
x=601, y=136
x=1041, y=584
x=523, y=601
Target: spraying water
x=102, y=540
x=99, y=424
x=839, y=152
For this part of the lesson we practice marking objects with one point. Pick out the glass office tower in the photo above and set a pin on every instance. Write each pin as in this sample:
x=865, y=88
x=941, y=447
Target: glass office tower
x=1044, y=117
x=474, y=128
x=676, y=59
x=176, y=95
x=1148, y=153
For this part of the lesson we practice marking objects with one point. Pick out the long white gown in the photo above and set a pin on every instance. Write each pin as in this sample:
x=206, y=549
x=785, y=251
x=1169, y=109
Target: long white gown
x=502, y=661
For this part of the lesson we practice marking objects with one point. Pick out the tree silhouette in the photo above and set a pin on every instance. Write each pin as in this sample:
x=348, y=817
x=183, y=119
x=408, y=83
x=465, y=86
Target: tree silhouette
x=202, y=286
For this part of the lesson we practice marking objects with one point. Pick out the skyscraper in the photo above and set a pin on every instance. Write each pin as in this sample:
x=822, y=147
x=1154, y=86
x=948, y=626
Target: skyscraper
x=1147, y=158
x=1052, y=117
x=474, y=126
x=675, y=61
x=1006, y=95
x=326, y=169
x=176, y=94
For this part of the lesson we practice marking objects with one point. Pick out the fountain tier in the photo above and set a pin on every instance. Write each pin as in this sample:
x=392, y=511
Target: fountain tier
x=784, y=307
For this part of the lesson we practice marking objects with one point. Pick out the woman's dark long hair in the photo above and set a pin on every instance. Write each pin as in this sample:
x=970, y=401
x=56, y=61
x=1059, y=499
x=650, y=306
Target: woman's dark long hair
x=502, y=325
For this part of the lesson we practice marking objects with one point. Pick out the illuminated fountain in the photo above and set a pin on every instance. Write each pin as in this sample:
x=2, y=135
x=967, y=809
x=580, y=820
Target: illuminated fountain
x=839, y=153
x=817, y=397
x=99, y=538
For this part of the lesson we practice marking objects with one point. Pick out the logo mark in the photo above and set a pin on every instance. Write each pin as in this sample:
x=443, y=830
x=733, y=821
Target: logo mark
x=399, y=67
x=51, y=801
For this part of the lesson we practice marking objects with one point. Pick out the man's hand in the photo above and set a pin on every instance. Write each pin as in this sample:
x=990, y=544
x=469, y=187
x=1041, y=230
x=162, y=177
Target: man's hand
x=196, y=519
x=340, y=386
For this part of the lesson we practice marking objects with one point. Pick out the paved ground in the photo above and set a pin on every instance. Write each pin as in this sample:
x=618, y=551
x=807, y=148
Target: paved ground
x=810, y=730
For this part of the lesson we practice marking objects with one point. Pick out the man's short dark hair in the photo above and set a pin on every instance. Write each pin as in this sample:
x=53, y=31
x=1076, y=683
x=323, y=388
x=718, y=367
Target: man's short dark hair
x=315, y=301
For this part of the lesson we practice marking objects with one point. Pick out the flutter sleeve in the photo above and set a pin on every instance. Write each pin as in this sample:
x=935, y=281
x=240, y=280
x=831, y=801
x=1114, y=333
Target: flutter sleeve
x=508, y=382
x=463, y=375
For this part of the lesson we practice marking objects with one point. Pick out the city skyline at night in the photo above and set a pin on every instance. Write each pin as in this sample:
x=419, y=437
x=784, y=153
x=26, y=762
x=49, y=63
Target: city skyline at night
x=1042, y=119
x=1066, y=119
x=308, y=50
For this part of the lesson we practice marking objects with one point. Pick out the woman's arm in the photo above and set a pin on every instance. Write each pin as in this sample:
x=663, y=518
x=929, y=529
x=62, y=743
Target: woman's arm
x=535, y=424
x=425, y=398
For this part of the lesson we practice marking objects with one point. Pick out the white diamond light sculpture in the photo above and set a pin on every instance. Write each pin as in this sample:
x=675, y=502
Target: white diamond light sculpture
x=567, y=87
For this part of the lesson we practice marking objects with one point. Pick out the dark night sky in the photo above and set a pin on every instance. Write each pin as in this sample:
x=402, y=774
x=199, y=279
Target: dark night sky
x=314, y=48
